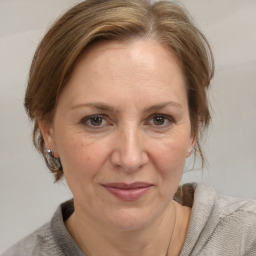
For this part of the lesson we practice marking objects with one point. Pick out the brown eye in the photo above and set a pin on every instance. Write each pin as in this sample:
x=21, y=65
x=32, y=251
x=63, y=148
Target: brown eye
x=159, y=120
x=96, y=121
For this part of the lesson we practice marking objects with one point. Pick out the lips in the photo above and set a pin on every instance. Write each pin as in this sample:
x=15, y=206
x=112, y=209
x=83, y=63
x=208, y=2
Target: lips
x=128, y=192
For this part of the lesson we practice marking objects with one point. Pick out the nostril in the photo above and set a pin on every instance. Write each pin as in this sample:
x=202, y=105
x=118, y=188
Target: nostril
x=129, y=161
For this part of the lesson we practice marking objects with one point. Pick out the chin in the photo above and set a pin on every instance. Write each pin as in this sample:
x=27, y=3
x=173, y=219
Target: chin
x=133, y=219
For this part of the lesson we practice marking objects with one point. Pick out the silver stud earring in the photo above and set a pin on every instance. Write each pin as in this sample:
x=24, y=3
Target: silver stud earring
x=51, y=153
x=57, y=159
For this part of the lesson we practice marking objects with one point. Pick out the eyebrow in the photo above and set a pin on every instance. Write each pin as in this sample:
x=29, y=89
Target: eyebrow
x=108, y=108
x=163, y=105
x=99, y=106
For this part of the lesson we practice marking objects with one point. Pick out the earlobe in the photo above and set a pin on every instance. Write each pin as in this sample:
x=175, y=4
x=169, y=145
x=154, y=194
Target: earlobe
x=48, y=135
x=189, y=152
x=191, y=146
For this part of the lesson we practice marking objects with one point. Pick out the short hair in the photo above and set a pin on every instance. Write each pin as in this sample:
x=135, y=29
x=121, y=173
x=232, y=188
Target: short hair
x=122, y=20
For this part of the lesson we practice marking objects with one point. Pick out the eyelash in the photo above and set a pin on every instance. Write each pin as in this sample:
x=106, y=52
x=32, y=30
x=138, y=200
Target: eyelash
x=85, y=121
x=165, y=117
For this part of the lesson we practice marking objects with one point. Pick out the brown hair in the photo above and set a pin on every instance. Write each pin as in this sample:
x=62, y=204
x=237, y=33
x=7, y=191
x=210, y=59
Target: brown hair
x=123, y=20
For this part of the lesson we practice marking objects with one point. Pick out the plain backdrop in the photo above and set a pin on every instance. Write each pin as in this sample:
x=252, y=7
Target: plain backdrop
x=27, y=193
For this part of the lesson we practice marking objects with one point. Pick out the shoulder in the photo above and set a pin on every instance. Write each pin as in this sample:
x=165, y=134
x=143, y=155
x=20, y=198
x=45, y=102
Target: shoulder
x=51, y=239
x=235, y=213
x=221, y=225
x=40, y=242
x=236, y=218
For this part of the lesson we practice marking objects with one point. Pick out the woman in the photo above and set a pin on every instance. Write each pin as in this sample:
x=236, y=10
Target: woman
x=117, y=94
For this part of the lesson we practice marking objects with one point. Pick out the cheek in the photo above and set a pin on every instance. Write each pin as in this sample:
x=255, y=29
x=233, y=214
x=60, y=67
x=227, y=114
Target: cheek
x=170, y=155
x=169, y=159
x=80, y=156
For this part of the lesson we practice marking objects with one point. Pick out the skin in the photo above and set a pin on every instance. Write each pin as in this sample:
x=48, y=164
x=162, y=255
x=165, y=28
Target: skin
x=142, y=133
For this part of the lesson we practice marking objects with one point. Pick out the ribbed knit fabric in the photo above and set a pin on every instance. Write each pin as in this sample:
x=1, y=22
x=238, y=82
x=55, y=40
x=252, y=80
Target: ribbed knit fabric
x=219, y=226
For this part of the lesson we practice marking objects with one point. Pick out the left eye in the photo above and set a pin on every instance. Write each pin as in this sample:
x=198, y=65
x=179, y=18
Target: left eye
x=160, y=120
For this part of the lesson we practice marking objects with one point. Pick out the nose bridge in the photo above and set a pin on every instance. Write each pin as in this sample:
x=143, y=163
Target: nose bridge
x=130, y=153
x=131, y=140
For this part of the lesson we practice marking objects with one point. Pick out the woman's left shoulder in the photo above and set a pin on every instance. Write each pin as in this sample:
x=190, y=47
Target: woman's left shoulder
x=225, y=206
x=229, y=207
x=237, y=220
x=222, y=225
x=235, y=212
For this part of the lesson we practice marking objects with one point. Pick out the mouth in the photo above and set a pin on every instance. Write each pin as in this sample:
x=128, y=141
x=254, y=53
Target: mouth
x=128, y=192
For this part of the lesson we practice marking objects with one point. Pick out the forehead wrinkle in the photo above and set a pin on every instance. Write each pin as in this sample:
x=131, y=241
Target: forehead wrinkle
x=109, y=108
x=96, y=105
x=134, y=82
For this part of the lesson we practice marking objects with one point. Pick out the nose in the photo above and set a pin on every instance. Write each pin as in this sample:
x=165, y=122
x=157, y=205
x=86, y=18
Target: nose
x=129, y=153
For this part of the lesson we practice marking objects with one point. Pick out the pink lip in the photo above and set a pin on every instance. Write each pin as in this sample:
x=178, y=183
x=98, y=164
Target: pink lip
x=128, y=192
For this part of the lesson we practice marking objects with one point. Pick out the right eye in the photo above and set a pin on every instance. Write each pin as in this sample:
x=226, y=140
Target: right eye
x=94, y=121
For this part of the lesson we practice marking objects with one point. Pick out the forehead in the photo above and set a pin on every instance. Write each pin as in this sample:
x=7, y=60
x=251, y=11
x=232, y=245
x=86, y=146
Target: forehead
x=139, y=52
x=141, y=67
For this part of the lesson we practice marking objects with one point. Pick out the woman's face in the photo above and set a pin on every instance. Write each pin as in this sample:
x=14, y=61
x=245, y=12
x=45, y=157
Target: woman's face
x=122, y=132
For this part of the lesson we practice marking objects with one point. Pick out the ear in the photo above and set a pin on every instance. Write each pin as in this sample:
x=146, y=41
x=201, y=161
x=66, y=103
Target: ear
x=191, y=145
x=47, y=132
x=193, y=136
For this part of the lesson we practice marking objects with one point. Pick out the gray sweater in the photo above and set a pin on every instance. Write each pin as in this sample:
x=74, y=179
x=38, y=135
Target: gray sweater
x=219, y=225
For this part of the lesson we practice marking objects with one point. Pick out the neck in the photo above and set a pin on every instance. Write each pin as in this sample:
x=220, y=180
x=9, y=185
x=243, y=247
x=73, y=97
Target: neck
x=154, y=239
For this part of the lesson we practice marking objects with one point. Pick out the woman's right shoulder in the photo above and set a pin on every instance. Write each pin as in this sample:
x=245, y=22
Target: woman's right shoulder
x=39, y=243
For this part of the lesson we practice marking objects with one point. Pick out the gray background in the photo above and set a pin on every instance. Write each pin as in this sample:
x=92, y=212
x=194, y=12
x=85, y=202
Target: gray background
x=27, y=193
